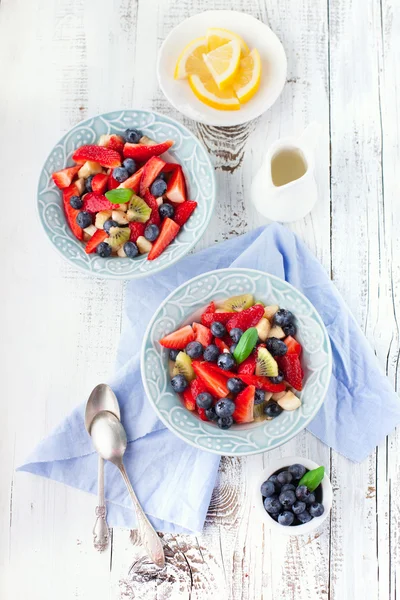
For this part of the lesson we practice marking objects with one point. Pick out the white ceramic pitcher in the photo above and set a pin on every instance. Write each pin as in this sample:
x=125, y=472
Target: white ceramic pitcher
x=294, y=198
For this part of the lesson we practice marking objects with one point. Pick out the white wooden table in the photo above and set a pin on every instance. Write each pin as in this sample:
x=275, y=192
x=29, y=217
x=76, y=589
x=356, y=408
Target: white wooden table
x=64, y=60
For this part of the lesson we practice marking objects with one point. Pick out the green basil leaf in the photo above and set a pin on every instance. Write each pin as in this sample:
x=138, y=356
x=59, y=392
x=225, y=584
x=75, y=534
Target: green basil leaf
x=246, y=345
x=119, y=196
x=313, y=478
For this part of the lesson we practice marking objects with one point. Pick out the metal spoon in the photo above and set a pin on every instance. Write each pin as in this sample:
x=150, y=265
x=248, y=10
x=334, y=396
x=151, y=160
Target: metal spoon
x=101, y=398
x=109, y=439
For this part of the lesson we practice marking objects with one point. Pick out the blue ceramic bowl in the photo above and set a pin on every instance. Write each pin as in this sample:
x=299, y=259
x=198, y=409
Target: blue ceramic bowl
x=180, y=307
x=187, y=150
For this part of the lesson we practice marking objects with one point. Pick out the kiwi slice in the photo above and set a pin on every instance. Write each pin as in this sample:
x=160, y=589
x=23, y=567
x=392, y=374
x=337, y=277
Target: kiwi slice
x=266, y=364
x=183, y=366
x=258, y=412
x=138, y=210
x=118, y=237
x=238, y=303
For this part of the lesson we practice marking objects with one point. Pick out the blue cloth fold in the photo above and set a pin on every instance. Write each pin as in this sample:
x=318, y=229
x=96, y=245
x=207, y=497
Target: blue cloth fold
x=173, y=480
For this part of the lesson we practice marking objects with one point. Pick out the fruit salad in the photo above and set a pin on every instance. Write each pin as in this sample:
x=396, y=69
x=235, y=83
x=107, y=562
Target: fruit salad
x=221, y=70
x=293, y=495
x=122, y=199
x=239, y=363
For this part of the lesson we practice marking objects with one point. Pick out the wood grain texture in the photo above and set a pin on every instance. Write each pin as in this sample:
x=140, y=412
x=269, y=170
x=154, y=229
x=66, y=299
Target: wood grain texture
x=81, y=57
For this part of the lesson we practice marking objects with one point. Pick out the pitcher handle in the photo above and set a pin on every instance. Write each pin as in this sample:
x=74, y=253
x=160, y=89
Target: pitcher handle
x=310, y=135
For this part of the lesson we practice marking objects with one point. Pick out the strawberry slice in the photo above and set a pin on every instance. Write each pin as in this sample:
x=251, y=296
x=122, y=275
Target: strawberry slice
x=93, y=203
x=179, y=339
x=142, y=152
x=183, y=211
x=151, y=169
x=247, y=318
x=222, y=347
x=152, y=203
x=112, y=183
x=72, y=213
x=293, y=346
x=95, y=240
x=64, y=178
x=197, y=387
x=210, y=317
x=133, y=182
x=214, y=382
x=188, y=400
x=176, y=188
x=244, y=405
x=292, y=371
x=169, y=230
x=202, y=413
x=210, y=310
x=99, y=183
x=248, y=366
x=137, y=229
x=203, y=334
x=104, y=156
x=262, y=382
x=115, y=142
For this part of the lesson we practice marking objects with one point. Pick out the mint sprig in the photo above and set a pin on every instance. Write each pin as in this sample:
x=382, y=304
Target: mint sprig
x=245, y=345
x=119, y=196
x=313, y=478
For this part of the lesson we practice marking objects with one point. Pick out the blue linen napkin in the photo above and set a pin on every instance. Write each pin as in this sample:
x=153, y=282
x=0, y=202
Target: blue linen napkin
x=173, y=480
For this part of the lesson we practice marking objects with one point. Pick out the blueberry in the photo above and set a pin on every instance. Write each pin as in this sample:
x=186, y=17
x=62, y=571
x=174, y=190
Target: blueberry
x=120, y=174
x=194, y=350
x=275, y=481
x=302, y=493
x=272, y=409
x=151, y=232
x=290, y=329
x=259, y=396
x=235, y=385
x=233, y=348
x=283, y=317
x=179, y=383
x=88, y=183
x=226, y=361
x=218, y=329
x=225, y=407
x=108, y=224
x=225, y=422
x=310, y=499
x=84, y=219
x=316, y=509
x=287, y=498
x=298, y=507
x=236, y=334
x=276, y=347
x=272, y=504
x=304, y=517
x=173, y=354
x=158, y=187
x=297, y=470
x=130, y=249
x=267, y=489
x=132, y=135
x=130, y=165
x=278, y=379
x=286, y=518
x=204, y=400
x=211, y=414
x=284, y=477
x=162, y=176
x=104, y=250
x=211, y=353
x=288, y=486
x=166, y=211
x=76, y=202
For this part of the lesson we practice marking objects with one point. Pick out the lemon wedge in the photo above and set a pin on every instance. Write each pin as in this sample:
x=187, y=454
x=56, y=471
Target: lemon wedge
x=248, y=77
x=190, y=61
x=223, y=62
x=206, y=90
x=217, y=37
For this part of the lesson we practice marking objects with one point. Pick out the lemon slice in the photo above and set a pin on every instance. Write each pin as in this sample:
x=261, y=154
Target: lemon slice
x=223, y=62
x=217, y=37
x=208, y=92
x=190, y=61
x=248, y=77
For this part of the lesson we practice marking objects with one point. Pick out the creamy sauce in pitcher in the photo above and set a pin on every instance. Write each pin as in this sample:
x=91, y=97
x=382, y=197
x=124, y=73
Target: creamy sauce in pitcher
x=287, y=165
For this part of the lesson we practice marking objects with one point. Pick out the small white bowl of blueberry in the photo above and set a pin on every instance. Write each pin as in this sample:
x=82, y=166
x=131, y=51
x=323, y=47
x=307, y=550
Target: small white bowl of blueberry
x=294, y=495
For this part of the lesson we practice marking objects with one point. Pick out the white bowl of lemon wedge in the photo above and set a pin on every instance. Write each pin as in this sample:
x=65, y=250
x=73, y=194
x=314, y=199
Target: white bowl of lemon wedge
x=222, y=67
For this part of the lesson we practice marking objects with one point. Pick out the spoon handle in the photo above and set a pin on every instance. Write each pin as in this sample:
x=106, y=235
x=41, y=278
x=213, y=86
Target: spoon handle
x=148, y=535
x=101, y=534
